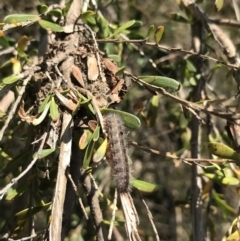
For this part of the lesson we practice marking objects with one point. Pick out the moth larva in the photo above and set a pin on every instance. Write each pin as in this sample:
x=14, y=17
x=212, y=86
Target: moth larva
x=117, y=151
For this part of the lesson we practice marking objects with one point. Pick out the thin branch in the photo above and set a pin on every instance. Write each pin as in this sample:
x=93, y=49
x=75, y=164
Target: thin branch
x=172, y=156
x=151, y=219
x=15, y=180
x=225, y=22
x=189, y=105
x=14, y=106
x=93, y=201
x=55, y=229
x=77, y=195
x=113, y=215
x=169, y=49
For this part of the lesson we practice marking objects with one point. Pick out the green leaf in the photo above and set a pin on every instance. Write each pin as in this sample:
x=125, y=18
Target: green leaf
x=18, y=18
x=55, y=12
x=115, y=58
x=96, y=134
x=219, y=4
x=100, y=152
x=131, y=121
x=54, y=113
x=44, y=153
x=88, y=154
x=87, y=14
x=39, y=120
x=50, y=26
x=120, y=70
x=89, y=105
x=223, y=151
x=144, y=186
x=10, y=79
x=42, y=8
x=161, y=81
x=222, y=179
x=26, y=213
x=122, y=28
x=43, y=104
x=85, y=139
x=152, y=112
x=150, y=31
x=4, y=41
x=228, y=210
x=158, y=34
x=178, y=17
x=16, y=162
x=13, y=193
x=103, y=25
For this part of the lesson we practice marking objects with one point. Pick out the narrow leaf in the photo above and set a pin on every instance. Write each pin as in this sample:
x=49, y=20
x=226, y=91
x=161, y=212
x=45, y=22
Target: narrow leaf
x=26, y=213
x=43, y=104
x=96, y=134
x=161, y=81
x=38, y=120
x=158, y=34
x=222, y=179
x=18, y=18
x=87, y=14
x=42, y=8
x=152, y=112
x=144, y=186
x=85, y=139
x=55, y=12
x=88, y=154
x=122, y=28
x=54, y=113
x=223, y=151
x=150, y=31
x=130, y=121
x=10, y=79
x=219, y=4
x=50, y=26
x=44, y=153
x=178, y=17
x=227, y=209
x=100, y=152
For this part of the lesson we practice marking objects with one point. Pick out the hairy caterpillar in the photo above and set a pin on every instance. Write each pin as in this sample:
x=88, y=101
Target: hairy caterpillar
x=117, y=151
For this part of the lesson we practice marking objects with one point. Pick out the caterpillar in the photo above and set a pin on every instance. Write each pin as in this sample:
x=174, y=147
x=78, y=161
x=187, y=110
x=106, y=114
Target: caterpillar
x=117, y=151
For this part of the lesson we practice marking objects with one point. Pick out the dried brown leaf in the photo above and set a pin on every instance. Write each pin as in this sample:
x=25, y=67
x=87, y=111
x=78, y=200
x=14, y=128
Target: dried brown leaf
x=92, y=124
x=66, y=102
x=23, y=115
x=76, y=72
x=118, y=86
x=110, y=65
x=93, y=71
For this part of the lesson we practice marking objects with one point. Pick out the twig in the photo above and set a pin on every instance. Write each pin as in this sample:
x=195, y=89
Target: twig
x=187, y=104
x=225, y=22
x=169, y=49
x=113, y=215
x=15, y=180
x=55, y=228
x=172, y=156
x=97, y=54
x=14, y=106
x=151, y=219
x=7, y=51
x=92, y=197
x=136, y=47
x=94, y=104
x=26, y=238
x=76, y=193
